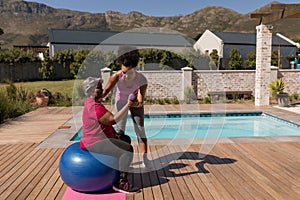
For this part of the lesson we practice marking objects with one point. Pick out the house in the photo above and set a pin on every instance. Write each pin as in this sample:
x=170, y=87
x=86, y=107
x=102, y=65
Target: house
x=60, y=39
x=245, y=43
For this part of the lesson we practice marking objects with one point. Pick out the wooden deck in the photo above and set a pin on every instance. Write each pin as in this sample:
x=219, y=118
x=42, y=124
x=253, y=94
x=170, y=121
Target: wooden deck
x=265, y=170
x=230, y=171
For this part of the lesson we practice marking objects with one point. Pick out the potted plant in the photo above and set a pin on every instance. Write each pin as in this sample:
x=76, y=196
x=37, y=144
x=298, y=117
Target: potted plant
x=277, y=90
x=42, y=97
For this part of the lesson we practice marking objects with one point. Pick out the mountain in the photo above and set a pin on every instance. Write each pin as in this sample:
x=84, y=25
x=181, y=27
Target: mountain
x=27, y=23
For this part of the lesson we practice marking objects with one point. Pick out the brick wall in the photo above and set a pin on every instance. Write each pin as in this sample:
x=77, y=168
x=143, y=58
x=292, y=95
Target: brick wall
x=169, y=83
x=164, y=84
x=229, y=80
x=292, y=78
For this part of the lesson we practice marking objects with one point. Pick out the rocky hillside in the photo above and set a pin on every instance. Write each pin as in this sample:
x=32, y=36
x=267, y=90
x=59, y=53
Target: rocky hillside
x=27, y=23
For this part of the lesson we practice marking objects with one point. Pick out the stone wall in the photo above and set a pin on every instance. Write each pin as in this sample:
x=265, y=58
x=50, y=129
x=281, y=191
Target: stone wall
x=168, y=84
x=219, y=81
x=292, y=78
x=164, y=84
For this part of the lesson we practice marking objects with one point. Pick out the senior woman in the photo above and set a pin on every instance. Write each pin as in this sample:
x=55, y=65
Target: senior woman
x=99, y=136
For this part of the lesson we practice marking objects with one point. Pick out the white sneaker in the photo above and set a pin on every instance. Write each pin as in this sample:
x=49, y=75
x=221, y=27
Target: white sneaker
x=147, y=164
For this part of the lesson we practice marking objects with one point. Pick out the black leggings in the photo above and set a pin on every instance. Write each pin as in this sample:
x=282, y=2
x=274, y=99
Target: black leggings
x=116, y=148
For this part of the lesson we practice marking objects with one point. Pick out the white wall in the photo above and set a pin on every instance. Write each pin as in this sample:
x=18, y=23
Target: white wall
x=209, y=41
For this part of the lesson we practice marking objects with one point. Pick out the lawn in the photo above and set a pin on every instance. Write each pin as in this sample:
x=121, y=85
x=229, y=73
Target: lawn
x=64, y=87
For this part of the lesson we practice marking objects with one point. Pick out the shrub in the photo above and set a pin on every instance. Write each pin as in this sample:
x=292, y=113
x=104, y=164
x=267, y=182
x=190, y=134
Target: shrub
x=47, y=68
x=15, y=55
x=274, y=58
x=161, y=101
x=277, y=86
x=251, y=60
x=214, y=62
x=175, y=101
x=4, y=102
x=189, y=95
x=14, y=102
x=167, y=100
x=60, y=100
x=294, y=96
x=235, y=59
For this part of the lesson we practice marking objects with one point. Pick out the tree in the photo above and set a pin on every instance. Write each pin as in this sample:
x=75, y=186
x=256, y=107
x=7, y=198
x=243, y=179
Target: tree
x=235, y=59
x=1, y=32
x=214, y=62
x=274, y=58
x=251, y=60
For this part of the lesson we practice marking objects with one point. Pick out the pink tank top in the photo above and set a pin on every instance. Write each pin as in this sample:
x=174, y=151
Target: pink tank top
x=124, y=91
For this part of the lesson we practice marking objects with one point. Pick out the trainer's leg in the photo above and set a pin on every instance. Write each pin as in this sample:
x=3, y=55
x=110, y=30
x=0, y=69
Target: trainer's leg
x=137, y=115
x=120, y=124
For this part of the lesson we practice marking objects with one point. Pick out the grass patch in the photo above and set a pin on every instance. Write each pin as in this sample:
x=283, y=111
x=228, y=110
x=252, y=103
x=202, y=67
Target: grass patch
x=64, y=87
x=19, y=98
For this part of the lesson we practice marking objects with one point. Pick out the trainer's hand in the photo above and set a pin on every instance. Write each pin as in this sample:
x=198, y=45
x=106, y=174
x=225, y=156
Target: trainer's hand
x=136, y=104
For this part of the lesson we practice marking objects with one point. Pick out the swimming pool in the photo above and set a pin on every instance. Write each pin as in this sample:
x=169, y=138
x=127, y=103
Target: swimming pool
x=212, y=125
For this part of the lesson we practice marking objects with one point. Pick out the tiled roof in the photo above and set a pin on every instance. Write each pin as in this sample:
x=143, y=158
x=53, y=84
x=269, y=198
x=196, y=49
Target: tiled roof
x=66, y=36
x=248, y=38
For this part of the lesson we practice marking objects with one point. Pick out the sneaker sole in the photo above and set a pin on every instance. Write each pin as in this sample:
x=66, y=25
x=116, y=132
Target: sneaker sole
x=123, y=191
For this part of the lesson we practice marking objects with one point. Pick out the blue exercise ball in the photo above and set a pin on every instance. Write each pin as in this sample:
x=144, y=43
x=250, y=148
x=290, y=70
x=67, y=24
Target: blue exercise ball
x=85, y=171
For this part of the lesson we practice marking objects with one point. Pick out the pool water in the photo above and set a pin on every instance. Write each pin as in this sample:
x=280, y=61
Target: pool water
x=212, y=125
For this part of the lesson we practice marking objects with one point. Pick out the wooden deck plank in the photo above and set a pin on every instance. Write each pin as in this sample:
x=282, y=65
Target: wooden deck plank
x=17, y=168
x=219, y=167
x=188, y=158
x=55, y=189
x=167, y=194
x=4, y=147
x=45, y=178
x=5, y=150
x=146, y=175
x=12, y=157
x=267, y=168
x=30, y=178
x=46, y=164
x=272, y=171
x=261, y=171
x=200, y=181
x=147, y=190
x=288, y=167
x=21, y=174
x=248, y=167
x=293, y=144
x=132, y=174
x=218, y=184
x=169, y=173
x=182, y=186
x=49, y=185
x=61, y=192
x=247, y=182
x=154, y=179
x=136, y=177
x=186, y=172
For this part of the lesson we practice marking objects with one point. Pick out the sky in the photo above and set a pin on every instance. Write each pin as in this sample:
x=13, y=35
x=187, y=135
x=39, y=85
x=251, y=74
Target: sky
x=157, y=7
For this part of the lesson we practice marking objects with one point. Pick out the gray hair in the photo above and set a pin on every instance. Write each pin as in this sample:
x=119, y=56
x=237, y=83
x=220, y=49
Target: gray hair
x=90, y=84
